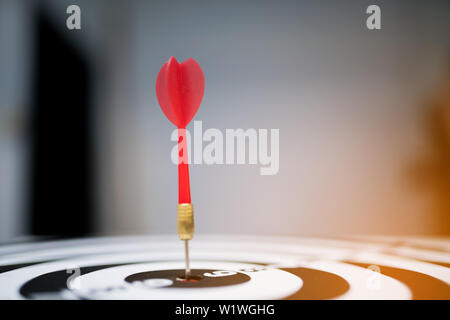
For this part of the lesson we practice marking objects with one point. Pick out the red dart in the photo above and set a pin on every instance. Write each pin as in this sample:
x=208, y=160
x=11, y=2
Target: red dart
x=179, y=89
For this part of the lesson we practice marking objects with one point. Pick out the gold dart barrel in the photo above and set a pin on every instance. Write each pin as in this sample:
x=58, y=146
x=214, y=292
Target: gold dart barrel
x=185, y=221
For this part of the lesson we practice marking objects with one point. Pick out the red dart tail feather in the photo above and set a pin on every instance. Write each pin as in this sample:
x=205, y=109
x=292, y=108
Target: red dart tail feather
x=179, y=89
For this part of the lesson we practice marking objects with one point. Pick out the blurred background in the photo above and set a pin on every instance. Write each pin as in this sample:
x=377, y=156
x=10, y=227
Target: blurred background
x=364, y=117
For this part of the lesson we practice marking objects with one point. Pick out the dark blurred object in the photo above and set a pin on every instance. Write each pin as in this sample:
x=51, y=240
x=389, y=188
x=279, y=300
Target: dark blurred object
x=61, y=202
x=432, y=173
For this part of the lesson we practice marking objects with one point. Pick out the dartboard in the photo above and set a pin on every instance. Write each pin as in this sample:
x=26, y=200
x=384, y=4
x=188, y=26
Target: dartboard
x=227, y=267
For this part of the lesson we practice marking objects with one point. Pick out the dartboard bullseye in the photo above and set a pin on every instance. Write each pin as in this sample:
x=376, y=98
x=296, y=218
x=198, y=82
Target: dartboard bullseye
x=225, y=268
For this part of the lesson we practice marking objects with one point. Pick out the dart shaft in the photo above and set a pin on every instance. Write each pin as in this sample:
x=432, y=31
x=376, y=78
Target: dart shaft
x=184, y=188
